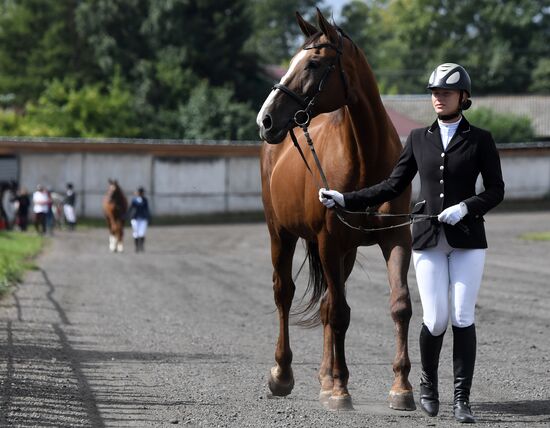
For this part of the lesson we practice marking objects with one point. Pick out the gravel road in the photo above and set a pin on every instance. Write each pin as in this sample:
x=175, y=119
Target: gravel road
x=184, y=334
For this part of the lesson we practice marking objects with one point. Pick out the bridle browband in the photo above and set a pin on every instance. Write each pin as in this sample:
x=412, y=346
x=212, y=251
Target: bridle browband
x=302, y=118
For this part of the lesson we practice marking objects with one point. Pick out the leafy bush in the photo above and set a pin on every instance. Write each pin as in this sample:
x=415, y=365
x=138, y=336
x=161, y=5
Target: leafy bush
x=506, y=128
x=63, y=110
x=211, y=113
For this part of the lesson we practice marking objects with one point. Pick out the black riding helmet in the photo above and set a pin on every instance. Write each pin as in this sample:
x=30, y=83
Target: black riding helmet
x=452, y=76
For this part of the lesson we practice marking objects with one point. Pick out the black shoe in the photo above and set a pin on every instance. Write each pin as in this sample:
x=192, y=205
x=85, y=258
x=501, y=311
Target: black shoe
x=136, y=245
x=429, y=399
x=430, y=348
x=464, y=358
x=463, y=413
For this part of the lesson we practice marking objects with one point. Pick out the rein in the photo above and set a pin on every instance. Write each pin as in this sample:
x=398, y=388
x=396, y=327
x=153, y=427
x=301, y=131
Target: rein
x=412, y=218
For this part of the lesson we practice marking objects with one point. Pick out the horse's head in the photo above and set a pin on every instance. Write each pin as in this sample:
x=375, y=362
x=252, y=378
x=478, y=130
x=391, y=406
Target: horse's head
x=316, y=81
x=113, y=186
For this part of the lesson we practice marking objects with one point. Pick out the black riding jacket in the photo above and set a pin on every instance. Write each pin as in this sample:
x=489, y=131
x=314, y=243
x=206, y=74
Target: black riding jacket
x=447, y=177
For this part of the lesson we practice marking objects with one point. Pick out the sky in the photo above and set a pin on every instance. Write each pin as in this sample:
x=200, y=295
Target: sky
x=336, y=6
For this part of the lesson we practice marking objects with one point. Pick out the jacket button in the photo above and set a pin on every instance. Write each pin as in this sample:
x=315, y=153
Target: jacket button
x=442, y=155
x=440, y=181
x=441, y=195
x=441, y=167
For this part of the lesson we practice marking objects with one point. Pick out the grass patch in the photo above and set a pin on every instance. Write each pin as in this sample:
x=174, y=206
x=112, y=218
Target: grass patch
x=16, y=251
x=536, y=236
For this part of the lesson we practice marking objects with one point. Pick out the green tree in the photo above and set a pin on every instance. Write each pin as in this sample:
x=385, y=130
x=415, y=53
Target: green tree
x=211, y=113
x=276, y=34
x=39, y=42
x=506, y=128
x=541, y=77
x=499, y=42
x=63, y=110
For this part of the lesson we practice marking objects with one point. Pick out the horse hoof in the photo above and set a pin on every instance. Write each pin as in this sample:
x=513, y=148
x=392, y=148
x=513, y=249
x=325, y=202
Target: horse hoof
x=324, y=396
x=402, y=401
x=277, y=387
x=340, y=402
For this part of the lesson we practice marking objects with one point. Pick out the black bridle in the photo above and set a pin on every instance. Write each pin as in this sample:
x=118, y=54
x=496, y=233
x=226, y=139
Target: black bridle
x=302, y=119
x=303, y=116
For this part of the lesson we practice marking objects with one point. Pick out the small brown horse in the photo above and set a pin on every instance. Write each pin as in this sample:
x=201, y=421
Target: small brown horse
x=330, y=81
x=115, y=206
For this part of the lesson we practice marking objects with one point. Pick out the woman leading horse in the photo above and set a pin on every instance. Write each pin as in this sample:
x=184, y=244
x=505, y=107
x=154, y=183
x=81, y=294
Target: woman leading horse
x=331, y=91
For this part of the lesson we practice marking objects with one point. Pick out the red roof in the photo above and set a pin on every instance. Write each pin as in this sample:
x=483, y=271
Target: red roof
x=402, y=123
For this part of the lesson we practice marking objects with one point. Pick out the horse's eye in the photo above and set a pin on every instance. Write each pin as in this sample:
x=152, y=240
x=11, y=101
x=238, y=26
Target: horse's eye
x=312, y=65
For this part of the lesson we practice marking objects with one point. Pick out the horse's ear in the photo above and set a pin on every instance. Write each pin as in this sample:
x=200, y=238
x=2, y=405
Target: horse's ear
x=306, y=27
x=326, y=27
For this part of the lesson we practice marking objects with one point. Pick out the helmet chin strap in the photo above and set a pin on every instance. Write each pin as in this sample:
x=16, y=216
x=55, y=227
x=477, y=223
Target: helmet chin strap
x=456, y=114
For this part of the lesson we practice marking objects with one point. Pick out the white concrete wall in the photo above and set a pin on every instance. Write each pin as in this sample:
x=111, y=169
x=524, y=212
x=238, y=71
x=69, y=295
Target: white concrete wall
x=175, y=186
x=191, y=185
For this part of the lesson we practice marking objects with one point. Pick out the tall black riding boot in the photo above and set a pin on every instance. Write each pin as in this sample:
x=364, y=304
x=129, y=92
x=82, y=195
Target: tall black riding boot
x=142, y=244
x=464, y=358
x=136, y=244
x=430, y=348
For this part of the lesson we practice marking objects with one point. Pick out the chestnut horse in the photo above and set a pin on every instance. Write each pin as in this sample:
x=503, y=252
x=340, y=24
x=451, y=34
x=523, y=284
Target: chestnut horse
x=330, y=81
x=115, y=206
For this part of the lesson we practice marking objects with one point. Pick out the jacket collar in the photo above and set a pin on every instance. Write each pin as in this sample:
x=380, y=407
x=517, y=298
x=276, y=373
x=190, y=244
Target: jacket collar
x=461, y=133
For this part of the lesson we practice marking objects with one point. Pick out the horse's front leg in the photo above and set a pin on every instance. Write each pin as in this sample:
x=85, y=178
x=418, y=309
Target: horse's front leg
x=338, y=316
x=398, y=259
x=325, y=370
x=281, y=378
x=120, y=236
x=112, y=237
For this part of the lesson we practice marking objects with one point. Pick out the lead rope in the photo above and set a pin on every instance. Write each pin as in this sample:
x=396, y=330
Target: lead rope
x=413, y=218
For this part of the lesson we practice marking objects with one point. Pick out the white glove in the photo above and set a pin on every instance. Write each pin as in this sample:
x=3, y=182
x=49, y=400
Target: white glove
x=454, y=214
x=334, y=197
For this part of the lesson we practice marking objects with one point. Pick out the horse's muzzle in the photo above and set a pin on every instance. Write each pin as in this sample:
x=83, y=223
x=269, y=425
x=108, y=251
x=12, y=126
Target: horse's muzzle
x=270, y=135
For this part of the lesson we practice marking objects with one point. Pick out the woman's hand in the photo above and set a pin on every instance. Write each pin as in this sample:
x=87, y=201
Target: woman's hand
x=453, y=214
x=329, y=198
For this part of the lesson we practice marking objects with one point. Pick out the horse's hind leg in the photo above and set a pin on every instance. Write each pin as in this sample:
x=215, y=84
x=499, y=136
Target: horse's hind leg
x=281, y=378
x=397, y=257
x=325, y=371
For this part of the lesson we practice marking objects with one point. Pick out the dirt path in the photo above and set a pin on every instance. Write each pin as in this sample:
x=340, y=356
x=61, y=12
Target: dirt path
x=184, y=334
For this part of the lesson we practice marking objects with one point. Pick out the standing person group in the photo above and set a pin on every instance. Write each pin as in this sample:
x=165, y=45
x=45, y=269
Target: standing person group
x=448, y=253
x=140, y=217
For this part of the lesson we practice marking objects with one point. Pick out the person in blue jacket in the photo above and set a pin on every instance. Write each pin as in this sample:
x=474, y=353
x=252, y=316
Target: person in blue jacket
x=140, y=217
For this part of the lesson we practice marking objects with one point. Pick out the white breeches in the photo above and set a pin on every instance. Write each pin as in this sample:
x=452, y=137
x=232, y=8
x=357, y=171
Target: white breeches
x=70, y=214
x=448, y=282
x=139, y=227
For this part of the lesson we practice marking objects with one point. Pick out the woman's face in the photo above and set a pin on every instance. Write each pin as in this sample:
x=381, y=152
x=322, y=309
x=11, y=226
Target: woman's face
x=445, y=101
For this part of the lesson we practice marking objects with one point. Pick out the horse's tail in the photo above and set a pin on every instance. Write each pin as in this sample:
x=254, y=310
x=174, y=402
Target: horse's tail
x=308, y=312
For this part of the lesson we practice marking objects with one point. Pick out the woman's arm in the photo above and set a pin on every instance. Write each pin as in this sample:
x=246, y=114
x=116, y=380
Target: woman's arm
x=400, y=178
x=491, y=173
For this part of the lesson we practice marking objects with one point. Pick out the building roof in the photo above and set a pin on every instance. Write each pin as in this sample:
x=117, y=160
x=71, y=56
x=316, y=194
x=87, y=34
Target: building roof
x=419, y=109
x=403, y=124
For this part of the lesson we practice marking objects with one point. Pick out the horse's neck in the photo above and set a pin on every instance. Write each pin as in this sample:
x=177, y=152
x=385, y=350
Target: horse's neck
x=376, y=142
